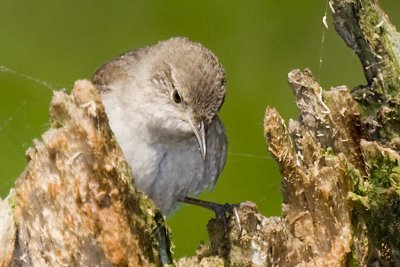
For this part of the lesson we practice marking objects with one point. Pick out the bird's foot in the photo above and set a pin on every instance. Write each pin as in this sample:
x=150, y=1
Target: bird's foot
x=222, y=211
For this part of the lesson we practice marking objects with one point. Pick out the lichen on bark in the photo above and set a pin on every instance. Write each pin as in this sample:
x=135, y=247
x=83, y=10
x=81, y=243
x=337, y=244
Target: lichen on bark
x=75, y=203
x=339, y=163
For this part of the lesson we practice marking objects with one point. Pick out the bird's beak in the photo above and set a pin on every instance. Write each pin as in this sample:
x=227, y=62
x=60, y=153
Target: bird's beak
x=200, y=133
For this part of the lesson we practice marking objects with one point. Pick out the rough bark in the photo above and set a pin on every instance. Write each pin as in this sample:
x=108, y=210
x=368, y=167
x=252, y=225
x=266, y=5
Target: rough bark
x=75, y=204
x=339, y=163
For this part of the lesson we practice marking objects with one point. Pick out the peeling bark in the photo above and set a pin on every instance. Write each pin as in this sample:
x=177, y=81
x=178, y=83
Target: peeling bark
x=75, y=204
x=339, y=162
x=340, y=165
x=313, y=155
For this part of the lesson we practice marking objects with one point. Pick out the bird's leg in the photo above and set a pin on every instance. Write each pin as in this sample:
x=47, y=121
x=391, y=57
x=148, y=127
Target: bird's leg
x=220, y=210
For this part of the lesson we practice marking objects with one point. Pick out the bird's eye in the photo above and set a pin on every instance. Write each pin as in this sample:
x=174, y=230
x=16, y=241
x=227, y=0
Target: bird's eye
x=176, y=96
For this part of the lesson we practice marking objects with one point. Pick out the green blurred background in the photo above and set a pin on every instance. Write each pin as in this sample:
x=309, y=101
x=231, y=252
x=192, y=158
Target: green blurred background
x=47, y=45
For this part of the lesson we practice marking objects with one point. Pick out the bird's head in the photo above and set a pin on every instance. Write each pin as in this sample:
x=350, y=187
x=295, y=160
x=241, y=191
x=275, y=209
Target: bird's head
x=192, y=81
x=178, y=84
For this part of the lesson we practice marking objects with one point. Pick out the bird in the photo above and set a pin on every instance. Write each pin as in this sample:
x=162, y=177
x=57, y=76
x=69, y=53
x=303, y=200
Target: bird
x=162, y=103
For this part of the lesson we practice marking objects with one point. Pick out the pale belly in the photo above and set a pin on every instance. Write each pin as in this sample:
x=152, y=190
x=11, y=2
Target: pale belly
x=167, y=172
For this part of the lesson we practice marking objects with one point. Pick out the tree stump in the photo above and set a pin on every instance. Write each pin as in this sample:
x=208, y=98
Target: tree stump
x=75, y=203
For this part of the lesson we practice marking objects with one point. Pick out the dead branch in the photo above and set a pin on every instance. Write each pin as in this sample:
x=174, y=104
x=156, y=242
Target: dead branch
x=339, y=163
x=75, y=203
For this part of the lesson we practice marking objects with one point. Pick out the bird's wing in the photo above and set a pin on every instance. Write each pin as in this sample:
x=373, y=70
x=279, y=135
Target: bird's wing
x=116, y=68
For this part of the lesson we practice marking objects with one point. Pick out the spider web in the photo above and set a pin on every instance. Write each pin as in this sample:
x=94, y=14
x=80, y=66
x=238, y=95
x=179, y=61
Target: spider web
x=16, y=126
x=23, y=117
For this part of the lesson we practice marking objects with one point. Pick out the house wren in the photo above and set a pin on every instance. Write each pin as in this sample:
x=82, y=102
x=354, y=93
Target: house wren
x=162, y=103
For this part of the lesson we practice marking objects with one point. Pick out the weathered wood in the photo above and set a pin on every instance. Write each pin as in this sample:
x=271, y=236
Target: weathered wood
x=340, y=165
x=75, y=204
x=339, y=162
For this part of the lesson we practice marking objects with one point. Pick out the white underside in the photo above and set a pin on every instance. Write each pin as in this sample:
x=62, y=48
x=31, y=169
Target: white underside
x=167, y=168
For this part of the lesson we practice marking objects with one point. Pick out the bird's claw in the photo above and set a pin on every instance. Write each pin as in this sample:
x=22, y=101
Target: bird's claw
x=222, y=211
